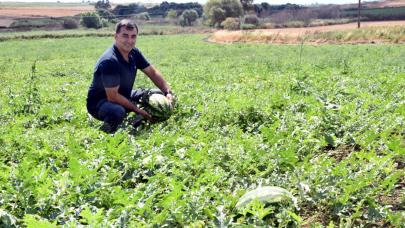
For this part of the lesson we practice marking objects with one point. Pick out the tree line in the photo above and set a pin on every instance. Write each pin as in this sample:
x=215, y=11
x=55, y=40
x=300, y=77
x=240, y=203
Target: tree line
x=228, y=14
x=213, y=13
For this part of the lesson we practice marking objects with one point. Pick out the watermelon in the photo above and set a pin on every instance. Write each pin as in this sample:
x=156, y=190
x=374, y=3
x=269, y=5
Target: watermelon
x=266, y=194
x=159, y=106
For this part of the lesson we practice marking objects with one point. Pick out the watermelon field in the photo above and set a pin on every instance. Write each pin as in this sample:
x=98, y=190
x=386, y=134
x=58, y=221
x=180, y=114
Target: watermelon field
x=326, y=123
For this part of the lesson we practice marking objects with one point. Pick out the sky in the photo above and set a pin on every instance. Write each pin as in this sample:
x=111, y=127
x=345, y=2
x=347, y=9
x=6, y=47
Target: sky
x=273, y=2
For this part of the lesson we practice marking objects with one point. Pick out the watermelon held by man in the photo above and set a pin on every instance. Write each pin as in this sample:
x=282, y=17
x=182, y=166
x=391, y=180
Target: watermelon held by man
x=157, y=105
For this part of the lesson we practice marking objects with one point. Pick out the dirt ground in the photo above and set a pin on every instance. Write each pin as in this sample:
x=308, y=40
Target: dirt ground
x=224, y=36
x=9, y=14
x=18, y=12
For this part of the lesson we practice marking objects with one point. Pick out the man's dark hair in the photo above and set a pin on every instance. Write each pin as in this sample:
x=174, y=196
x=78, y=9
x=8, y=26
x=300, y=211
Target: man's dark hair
x=127, y=23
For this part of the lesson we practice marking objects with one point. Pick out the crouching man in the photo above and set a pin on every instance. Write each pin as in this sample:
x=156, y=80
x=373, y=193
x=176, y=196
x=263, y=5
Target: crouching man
x=110, y=97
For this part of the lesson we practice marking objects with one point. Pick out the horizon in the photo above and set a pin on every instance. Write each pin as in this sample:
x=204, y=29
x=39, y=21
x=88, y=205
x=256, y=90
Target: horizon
x=272, y=2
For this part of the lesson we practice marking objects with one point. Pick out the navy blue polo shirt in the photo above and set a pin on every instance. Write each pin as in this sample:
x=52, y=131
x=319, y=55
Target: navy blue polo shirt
x=111, y=70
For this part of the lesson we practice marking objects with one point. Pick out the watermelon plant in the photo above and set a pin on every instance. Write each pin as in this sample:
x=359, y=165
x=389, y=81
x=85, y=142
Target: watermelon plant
x=325, y=123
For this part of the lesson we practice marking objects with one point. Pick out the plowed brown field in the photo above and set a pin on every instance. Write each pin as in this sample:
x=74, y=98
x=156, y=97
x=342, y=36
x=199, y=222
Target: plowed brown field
x=18, y=12
x=9, y=14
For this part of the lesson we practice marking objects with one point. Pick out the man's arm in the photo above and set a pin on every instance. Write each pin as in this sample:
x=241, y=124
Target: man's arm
x=115, y=97
x=158, y=80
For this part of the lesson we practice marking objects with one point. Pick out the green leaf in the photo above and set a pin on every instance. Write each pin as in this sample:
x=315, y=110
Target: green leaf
x=34, y=221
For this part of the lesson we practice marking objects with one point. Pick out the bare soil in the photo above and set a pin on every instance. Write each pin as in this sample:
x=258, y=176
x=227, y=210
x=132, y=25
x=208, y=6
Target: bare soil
x=26, y=12
x=9, y=14
x=290, y=35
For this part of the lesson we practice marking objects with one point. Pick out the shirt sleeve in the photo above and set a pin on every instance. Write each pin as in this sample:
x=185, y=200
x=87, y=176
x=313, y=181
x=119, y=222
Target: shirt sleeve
x=109, y=74
x=140, y=60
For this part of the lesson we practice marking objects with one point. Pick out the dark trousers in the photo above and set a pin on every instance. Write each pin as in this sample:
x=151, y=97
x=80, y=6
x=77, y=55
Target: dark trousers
x=113, y=114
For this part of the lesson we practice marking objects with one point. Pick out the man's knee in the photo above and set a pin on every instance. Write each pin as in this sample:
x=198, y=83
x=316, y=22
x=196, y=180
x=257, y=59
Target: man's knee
x=112, y=113
x=117, y=114
x=113, y=116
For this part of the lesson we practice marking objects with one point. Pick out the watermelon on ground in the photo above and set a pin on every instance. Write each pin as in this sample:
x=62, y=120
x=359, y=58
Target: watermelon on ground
x=266, y=194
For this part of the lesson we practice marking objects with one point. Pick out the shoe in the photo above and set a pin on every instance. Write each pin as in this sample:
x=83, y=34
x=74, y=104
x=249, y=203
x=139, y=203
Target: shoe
x=107, y=128
x=137, y=121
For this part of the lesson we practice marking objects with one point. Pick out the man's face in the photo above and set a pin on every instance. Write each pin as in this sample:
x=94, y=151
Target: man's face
x=126, y=39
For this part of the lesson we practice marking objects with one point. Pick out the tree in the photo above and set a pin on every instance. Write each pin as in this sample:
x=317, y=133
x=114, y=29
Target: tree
x=188, y=17
x=165, y=7
x=171, y=14
x=102, y=5
x=217, y=17
x=106, y=14
x=247, y=5
x=128, y=10
x=217, y=11
x=231, y=23
x=91, y=20
x=251, y=19
x=70, y=23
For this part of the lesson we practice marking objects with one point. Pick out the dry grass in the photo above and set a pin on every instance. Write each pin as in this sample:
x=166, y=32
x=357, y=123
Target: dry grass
x=371, y=32
x=367, y=35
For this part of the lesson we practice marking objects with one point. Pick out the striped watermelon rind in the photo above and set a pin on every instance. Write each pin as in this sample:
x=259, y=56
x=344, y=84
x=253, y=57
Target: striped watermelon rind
x=266, y=194
x=159, y=106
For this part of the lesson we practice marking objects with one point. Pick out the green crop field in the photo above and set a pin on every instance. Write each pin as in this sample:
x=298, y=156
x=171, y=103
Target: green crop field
x=324, y=122
x=388, y=13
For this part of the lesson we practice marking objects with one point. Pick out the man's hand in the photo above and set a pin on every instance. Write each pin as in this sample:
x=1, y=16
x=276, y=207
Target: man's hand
x=159, y=81
x=170, y=97
x=114, y=96
x=145, y=115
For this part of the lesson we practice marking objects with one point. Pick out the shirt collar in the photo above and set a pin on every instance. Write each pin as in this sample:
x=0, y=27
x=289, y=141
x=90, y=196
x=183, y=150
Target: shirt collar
x=119, y=56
